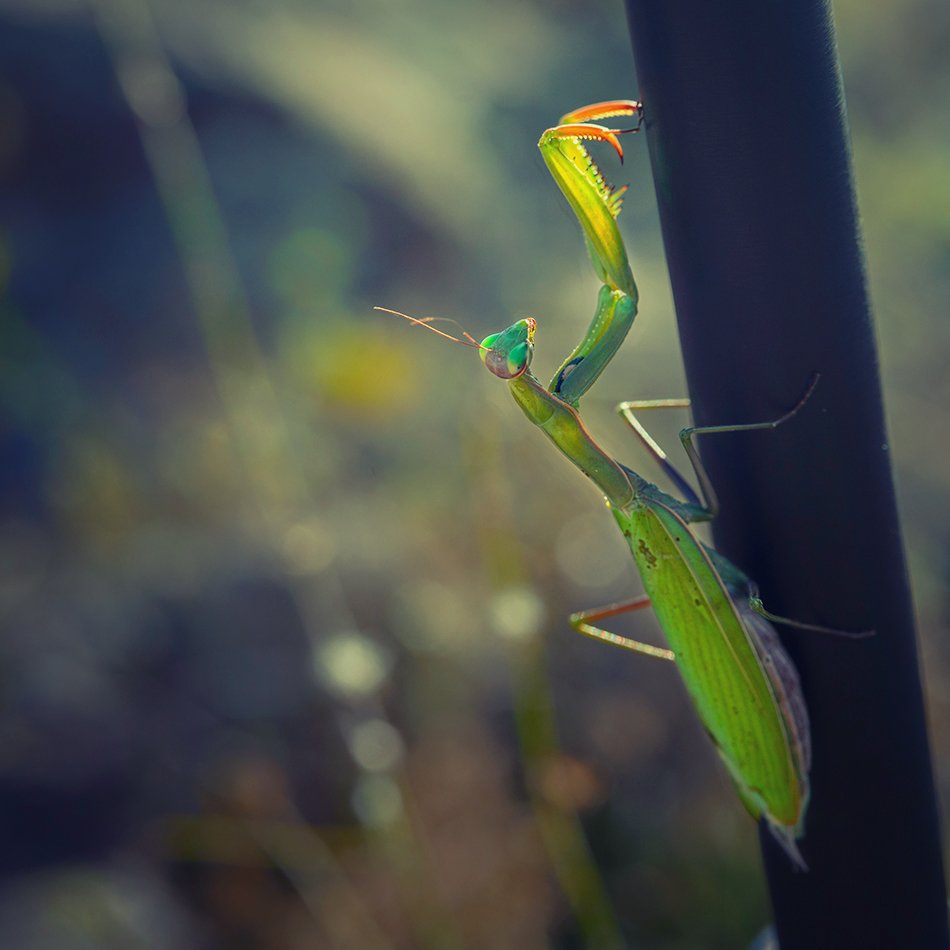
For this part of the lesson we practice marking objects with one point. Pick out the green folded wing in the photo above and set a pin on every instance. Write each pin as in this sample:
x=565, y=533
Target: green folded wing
x=717, y=661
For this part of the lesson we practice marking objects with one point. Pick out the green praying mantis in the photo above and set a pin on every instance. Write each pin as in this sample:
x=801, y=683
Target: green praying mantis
x=744, y=685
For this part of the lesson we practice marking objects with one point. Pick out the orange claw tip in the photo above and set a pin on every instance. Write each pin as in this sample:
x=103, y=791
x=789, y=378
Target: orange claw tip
x=603, y=110
x=597, y=133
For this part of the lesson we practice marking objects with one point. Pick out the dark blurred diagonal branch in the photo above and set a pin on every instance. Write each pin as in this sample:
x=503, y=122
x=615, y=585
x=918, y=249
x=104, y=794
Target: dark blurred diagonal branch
x=171, y=145
x=745, y=121
x=261, y=423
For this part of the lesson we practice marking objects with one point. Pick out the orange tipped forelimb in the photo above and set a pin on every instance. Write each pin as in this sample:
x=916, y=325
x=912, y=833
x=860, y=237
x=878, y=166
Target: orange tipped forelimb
x=604, y=110
x=591, y=133
x=595, y=203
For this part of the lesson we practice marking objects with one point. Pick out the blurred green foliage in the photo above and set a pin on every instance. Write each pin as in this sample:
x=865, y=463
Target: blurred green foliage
x=284, y=579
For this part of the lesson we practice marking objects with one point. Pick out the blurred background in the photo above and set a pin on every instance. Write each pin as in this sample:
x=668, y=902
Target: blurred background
x=285, y=661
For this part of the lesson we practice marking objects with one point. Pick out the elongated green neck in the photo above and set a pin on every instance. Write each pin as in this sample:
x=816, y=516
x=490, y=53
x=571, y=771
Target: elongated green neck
x=562, y=425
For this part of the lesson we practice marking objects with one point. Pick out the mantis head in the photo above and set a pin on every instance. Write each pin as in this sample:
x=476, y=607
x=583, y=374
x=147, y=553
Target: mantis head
x=508, y=353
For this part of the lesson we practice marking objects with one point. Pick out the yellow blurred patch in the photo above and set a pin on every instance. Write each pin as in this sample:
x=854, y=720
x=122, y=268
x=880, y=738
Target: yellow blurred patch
x=365, y=372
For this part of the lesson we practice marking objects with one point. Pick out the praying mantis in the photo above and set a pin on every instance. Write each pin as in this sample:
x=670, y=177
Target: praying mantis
x=742, y=682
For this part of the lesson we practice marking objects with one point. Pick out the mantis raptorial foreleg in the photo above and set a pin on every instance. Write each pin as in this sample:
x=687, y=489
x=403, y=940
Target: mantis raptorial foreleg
x=596, y=205
x=612, y=319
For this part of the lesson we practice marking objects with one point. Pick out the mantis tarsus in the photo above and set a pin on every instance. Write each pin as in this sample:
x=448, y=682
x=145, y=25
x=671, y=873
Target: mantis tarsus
x=742, y=682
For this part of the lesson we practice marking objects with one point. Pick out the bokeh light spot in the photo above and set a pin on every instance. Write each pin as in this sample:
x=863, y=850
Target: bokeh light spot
x=516, y=613
x=351, y=665
x=375, y=745
x=309, y=547
x=436, y=619
x=377, y=801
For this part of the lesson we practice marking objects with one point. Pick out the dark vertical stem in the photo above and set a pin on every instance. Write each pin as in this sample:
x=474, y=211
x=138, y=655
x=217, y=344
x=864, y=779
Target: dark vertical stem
x=745, y=122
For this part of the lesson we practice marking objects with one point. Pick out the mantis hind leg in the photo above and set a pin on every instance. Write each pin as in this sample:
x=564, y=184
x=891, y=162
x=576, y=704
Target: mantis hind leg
x=583, y=622
x=755, y=603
